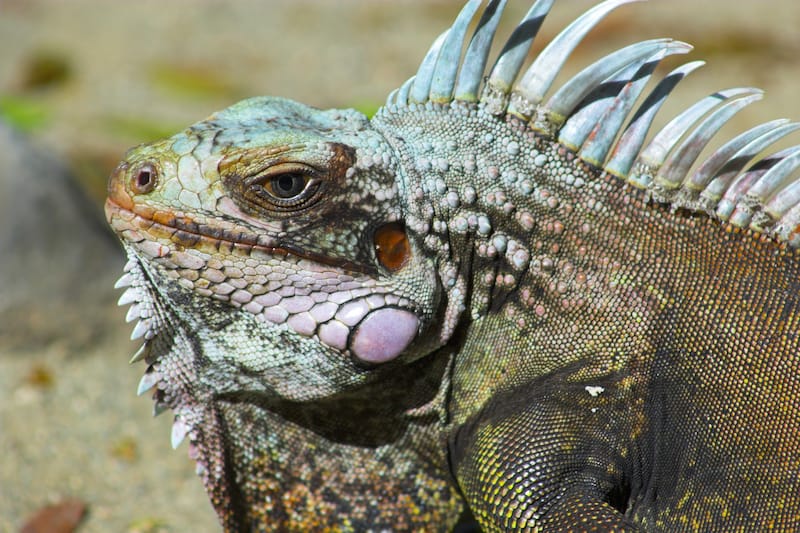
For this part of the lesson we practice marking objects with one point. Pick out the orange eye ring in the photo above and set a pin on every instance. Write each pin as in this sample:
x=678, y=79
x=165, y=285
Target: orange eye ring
x=392, y=247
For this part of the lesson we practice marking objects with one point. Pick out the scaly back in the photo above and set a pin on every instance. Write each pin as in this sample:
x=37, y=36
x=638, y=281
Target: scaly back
x=604, y=292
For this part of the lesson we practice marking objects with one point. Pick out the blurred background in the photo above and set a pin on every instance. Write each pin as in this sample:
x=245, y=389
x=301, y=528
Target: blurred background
x=83, y=80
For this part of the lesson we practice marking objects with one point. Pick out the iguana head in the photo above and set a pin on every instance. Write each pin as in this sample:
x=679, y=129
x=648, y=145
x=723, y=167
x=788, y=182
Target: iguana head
x=287, y=219
x=286, y=312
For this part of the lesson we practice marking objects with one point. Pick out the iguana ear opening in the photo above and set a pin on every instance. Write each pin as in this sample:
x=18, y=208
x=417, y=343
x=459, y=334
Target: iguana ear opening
x=392, y=248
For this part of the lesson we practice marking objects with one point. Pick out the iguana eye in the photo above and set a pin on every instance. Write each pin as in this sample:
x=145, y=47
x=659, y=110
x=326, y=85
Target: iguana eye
x=287, y=186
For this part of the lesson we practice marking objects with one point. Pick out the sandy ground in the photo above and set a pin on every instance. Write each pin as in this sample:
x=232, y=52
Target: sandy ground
x=86, y=79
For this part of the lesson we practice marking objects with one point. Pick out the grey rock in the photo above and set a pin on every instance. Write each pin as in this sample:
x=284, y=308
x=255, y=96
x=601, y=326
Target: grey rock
x=57, y=259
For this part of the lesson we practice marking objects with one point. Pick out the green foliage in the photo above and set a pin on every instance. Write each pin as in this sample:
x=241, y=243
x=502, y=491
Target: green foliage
x=139, y=129
x=193, y=82
x=368, y=108
x=24, y=113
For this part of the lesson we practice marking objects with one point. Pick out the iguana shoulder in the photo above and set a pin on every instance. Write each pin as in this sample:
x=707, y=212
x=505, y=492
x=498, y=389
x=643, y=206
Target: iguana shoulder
x=496, y=294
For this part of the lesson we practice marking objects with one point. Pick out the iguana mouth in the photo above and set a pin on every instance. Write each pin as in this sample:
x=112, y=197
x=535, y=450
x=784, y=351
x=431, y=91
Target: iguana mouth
x=149, y=226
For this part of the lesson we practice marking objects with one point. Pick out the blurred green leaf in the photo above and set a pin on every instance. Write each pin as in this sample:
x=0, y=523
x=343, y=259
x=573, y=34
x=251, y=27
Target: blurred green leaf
x=136, y=129
x=368, y=108
x=23, y=113
x=193, y=82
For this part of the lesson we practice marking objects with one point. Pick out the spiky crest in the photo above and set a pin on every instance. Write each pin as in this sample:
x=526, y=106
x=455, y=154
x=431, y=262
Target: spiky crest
x=586, y=114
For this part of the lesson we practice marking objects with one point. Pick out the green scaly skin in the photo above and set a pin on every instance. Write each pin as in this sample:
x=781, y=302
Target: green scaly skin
x=579, y=358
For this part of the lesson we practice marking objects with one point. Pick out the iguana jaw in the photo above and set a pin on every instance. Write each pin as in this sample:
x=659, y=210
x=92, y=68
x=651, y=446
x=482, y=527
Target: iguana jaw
x=308, y=315
x=138, y=224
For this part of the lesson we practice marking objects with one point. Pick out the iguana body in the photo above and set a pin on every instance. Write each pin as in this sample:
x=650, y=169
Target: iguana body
x=476, y=298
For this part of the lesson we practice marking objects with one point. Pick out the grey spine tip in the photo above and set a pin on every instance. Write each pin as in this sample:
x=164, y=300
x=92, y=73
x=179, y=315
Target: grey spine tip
x=733, y=152
x=715, y=179
x=596, y=149
x=512, y=56
x=421, y=87
x=676, y=166
x=568, y=96
x=472, y=69
x=655, y=153
x=148, y=381
x=780, y=203
x=539, y=77
x=633, y=138
x=141, y=353
x=447, y=62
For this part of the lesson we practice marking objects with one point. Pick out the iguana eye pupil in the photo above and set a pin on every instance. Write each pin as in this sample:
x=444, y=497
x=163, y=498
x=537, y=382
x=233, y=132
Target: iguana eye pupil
x=288, y=186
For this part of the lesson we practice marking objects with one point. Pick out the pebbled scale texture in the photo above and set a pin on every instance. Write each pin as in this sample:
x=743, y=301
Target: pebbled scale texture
x=497, y=298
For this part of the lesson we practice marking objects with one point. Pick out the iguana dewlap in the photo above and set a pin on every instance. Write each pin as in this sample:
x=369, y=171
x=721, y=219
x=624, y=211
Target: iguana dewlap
x=496, y=294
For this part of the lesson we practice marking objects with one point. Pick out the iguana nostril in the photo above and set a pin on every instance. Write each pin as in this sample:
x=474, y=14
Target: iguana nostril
x=144, y=179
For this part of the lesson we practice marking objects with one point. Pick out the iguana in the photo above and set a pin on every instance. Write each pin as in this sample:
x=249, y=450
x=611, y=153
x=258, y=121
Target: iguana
x=493, y=295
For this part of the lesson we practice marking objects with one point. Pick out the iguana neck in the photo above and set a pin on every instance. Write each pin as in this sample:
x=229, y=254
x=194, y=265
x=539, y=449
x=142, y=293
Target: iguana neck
x=517, y=224
x=392, y=425
x=303, y=464
x=562, y=261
